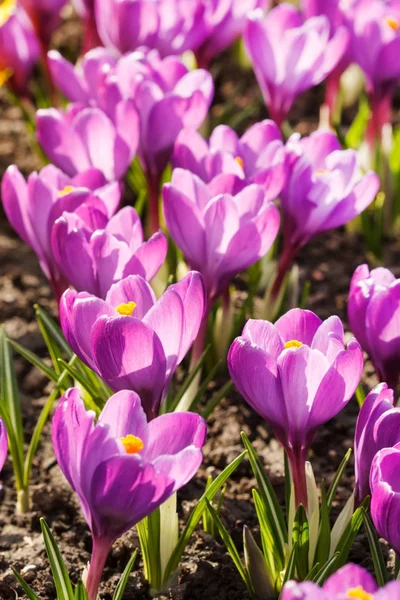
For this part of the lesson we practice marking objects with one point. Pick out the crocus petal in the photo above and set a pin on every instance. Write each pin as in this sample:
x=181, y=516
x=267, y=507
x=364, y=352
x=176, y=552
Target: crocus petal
x=350, y=577
x=124, y=415
x=162, y=434
x=132, y=289
x=180, y=468
x=85, y=312
x=149, y=257
x=297, y=324
x=265, y=335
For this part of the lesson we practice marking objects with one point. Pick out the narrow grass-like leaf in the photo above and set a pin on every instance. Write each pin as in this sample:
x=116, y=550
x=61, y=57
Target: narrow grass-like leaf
x=268, y=496
x=337, y=479
x=196, y=513
x=381, y=573
x=203, y=388
x=311, y=574
x=326, y=570
x=291, y=566
x=324, y=534
x=173, y=403
x=80, y=592
x=122, y=583
x=345, y=543
x=301, y=537
x=267, y=539
x=57, y=565
x=216, y=399
x=28, y=591
x=360, y=395
x=34, y=360
x=230, y=546
x=87, y=385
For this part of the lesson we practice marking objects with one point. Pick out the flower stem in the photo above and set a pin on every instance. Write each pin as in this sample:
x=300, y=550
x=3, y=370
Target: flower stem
x=153, y=183
x=100, y=551
x=285, y=262
x=23, y=502
x=297, y=459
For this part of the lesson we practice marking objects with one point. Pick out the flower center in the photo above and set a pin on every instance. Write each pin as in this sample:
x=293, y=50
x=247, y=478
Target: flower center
x=240, y=161
x=293, y=344
x=7, y=7
x=393, y=23
x=126, y=309
x=359, y=593
x=67, y=190
x=321, y=171
x=5, y=74
x=132, y=444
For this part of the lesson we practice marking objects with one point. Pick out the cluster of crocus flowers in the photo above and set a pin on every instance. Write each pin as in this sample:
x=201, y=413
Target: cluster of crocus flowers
x=131, y=340
x=122, y=467
x=290, y=54
x=374, y=316
x=297, y=374
x=33, y=206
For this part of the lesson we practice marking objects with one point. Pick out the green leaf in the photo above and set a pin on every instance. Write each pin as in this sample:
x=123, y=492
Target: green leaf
x=346, y=541
x=301, y=537
x=10, y=407
x=173, y=403
x=328, y=568
x=273, y=511
x=120, y=589
x=337, y=479
x=80, y=592
x=356, y=132
x=257, y=568
x=360, y=395
x=85, y=383
x=57, y=565
x=230, y=546
x=34, y=360
x=324, y=534
x=196, y=513
x=274, y=563
x=216, y=399
x=203, y=388
x=28, y=591
x=291, y=566
x=381, y=573
x=311, y=574
x=53, y=337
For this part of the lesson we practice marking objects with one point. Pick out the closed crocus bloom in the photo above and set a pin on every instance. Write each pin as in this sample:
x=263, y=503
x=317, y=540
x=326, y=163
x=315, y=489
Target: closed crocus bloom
x=170, y=26
x=82, y=138
x=219, y=234
x=3, y=444
x=122, y=467
x=385, y=499
x=374, y=316
x=107, y=254
x=378, y=426
x=351, y=581
x=290, y=55
x=45, y=16
x=91, y=38
x=257, y=157
x=225, y=21
x=19, y=49
x=297, y=374
x=33, y=206
x=131, y=340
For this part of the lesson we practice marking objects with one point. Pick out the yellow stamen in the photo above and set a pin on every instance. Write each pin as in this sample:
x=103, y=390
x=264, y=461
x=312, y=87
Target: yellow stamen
x=321, y=171
x=126, y=309
x=293, y=344
x=240, y=161
x=67, y=190
x=393, y=23
x=132, y=444
x=359, y=593
x=7, y=8
x=5, y=75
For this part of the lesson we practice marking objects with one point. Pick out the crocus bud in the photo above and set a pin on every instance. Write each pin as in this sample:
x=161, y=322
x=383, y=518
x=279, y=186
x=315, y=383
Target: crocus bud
x=378, y=426
x=45, y=16
x=374, y=316
x=351, y=581
x=107, y=254
x=290, y=55
x=3, y=444
x=297, y=374
x=385, y=500
x=19, y=49
x=220, y=234
x=122, y=467
x=33, y=206
x=131, y=340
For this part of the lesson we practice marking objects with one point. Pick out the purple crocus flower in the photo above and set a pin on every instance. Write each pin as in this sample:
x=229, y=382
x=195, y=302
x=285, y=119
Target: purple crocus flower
x=225, y=21
x=169, y=26
x=166, y=95
x=220, y=234
x=375, y=46
x=378, y=426
x=33, y=206
x=81, y=138
x=324, y=189
x=111, y=252
x=297, y=374
x=290, y=55
x=351, y=581
x=19, y=49
x=257, y=157
x=374, y=316
x=122, y=467
x=91, y=38
x=3, y=444
x=385, y=499
x=131, y=340
x=45, y=17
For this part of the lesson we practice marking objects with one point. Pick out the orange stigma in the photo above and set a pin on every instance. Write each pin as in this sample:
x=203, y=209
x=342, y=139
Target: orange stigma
x=293, y=344
x=393, y=23
x=132, y=444
x=67, y=190
x=7, y=8
x=240, y=161
x=358, y=593
x=5, y=75
x=126, y=309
